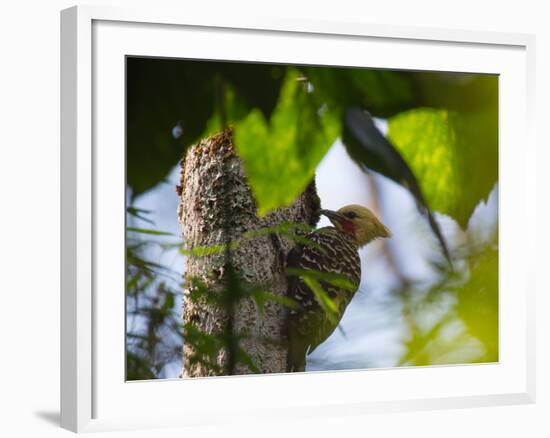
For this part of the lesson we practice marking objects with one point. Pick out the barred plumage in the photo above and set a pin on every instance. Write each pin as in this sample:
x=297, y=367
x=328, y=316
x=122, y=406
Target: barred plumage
x=334, y=250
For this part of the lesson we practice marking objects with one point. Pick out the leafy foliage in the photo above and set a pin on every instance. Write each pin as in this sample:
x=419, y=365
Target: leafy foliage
x=297, y=136
x=427, y=143
x=444, y=158
x=383, y=92
x=154, y=329
x=371, y=150
x=471, y=323
x=292, y=231
x=207, y=347
x=162, y=92
x=315, y=280
x=441, y=144
x=286, y=118
x=478, y=302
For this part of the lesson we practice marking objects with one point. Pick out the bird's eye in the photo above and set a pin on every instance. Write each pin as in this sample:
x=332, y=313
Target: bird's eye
x=350, y=214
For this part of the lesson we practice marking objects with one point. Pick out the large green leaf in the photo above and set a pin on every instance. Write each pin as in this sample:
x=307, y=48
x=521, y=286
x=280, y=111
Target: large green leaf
x=280, y=156
x=478, y=302
x=427, y=142
x=452, y=154
x=370, y=149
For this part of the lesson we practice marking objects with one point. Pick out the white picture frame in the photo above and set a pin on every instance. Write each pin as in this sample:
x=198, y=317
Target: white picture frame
x=94, y=395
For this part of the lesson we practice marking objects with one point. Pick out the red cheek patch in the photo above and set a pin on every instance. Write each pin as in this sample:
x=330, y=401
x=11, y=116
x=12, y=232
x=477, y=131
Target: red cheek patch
x=348, y=227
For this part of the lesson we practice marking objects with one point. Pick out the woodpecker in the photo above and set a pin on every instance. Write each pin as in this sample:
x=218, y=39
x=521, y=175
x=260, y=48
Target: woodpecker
x=333, y=250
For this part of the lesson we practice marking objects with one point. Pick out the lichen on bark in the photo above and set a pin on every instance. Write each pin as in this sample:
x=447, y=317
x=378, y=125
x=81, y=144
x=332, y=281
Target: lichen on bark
x=217, y=206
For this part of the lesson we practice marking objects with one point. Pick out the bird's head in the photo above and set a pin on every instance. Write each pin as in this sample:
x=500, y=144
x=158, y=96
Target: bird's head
x=358, y=221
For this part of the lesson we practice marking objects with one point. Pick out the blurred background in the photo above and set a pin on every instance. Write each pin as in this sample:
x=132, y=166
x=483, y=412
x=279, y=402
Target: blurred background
x=436, y=154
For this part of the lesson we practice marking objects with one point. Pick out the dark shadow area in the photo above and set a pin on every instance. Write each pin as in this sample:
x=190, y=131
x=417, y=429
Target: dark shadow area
x=52, y=417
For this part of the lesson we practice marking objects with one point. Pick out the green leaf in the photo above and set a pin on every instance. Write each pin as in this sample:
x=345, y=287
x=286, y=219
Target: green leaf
x=322, y=297
x=234, y=109
x=204, y=343
x=478, y=302
x=168, y=302
x=286, y=229
x=148, y=231
x=427, y=141
x=261, y=296
x=137, y=212
x=244, y=357
x=452, y=155
x=202, y=251
x=138, y=368
x=280, y=156
x=370, y=149
x=334, y=279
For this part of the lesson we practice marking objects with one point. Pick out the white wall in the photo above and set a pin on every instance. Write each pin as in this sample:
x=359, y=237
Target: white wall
x=29, y=218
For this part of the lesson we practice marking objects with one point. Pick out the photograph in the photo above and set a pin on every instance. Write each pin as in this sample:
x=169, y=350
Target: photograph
x=290, y=218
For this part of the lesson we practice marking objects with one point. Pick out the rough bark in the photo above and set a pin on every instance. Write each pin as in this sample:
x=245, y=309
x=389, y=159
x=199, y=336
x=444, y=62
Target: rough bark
x=216, y=205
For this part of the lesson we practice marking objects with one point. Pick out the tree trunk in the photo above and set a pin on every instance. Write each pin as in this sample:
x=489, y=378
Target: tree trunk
x=217, y=206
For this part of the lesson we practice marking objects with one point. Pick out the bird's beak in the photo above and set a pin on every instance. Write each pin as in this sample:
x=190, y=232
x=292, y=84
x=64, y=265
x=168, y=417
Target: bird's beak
x=332, y=215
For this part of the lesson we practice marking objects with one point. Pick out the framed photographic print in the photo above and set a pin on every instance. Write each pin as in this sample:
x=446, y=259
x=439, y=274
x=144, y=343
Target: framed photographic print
x=256, y=208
